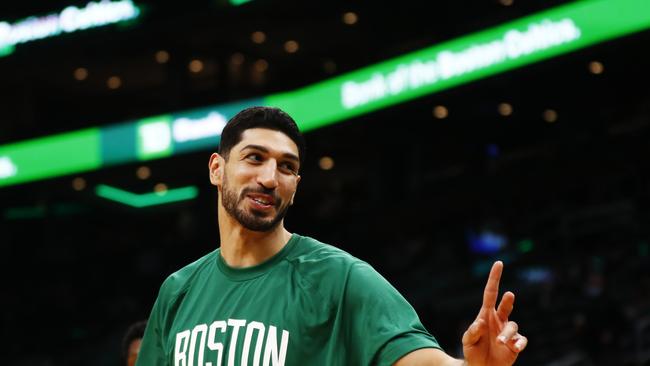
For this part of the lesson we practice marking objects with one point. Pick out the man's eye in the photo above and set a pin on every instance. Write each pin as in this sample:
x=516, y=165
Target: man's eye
x=254, y=157
x=289, y=167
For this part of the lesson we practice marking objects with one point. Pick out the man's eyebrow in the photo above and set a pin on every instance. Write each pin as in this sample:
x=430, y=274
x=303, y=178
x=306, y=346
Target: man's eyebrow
x=263, y=149
x=255, y=147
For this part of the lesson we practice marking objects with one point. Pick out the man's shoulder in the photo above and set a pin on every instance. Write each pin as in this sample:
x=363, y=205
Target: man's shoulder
x=330, y=271
x=311, y=256
x=177, y=282
x=312, y=249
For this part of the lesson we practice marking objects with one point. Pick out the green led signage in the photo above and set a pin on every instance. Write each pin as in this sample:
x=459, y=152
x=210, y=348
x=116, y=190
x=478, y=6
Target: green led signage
x=479, y=55
x=154, y=137
x=239, y=2
x=146, y=199
x=460, y=61
x=199, y=129
x=70, y=19
x=50, y=156
x=146, y=139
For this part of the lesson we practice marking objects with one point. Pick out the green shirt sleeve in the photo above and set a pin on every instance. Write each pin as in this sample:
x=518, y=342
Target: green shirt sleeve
x=152, y=349
x=380, y=326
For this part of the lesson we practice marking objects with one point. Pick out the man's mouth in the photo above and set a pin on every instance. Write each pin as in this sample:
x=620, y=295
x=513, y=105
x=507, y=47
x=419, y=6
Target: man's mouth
x=262, y=199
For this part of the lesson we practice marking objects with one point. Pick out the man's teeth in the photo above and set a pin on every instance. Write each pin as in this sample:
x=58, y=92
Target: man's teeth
x=261, y=201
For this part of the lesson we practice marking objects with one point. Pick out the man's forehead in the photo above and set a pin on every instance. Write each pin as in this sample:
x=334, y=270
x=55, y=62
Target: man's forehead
x=270, y=139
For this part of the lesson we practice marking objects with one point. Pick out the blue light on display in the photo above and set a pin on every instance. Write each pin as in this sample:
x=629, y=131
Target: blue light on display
x=486, y=242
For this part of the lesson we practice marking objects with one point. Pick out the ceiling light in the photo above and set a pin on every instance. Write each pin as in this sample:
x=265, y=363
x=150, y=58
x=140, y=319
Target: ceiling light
x=440, y=112
x=258, y=37
x=261, y=65
x=596, y=67
x=143, y=172
x=550, y=116
x=80, y=73
x=160, y=188
x=78, y=184
x=326, y=163
x=505, y=109
x=350, y=18
x=196, y=66
x=162, y=57
x=114, y=82
x=291, y=46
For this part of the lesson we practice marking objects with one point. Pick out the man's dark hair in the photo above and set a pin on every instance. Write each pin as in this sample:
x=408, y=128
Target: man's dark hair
x=135, y=331
x=260, y=117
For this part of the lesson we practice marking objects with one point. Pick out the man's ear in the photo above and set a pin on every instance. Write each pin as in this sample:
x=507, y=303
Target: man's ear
x=294, y=192
x=216, y=166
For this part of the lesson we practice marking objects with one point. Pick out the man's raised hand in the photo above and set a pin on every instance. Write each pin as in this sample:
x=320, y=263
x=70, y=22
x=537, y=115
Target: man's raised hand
x=492, y=340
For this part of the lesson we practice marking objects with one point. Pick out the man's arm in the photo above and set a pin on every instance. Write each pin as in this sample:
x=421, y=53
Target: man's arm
x=372, y=310
x=152, y=349
x=491, y=340
x=428, y=357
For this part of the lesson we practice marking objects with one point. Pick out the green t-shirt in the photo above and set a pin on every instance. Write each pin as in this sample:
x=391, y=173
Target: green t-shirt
x=310, y=304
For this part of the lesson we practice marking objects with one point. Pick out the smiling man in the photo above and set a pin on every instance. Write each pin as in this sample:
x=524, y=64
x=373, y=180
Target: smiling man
x=270, y=297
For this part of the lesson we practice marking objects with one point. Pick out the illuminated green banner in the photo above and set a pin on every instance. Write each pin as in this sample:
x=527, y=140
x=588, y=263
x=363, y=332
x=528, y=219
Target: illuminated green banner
x=490, y=52
x=176, y=133
x=149, y=138
x=521, y=42
x=50, y=156
x=70, y=19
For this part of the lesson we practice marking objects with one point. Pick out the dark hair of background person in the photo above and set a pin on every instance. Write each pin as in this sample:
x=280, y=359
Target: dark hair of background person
x=133, y=332
x=260, y=117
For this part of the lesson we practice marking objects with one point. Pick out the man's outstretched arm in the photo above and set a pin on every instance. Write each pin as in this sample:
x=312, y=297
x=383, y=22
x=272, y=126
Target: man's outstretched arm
x=491, y=340
x=428, y=357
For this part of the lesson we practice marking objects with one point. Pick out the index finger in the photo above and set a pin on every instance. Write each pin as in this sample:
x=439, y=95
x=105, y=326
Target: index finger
x=491, y=291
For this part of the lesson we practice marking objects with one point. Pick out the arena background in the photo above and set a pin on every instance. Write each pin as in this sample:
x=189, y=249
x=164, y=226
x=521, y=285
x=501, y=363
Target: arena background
x=544, y=167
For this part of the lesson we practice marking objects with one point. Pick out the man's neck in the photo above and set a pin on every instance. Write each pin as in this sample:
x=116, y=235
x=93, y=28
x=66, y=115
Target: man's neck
x=241, y=247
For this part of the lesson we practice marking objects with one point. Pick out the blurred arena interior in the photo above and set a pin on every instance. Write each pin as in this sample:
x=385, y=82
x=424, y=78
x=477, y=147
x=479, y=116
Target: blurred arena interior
x=544, y=167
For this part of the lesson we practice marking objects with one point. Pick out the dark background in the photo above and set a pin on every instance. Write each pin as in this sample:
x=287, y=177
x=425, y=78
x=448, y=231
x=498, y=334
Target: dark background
x=406, y=193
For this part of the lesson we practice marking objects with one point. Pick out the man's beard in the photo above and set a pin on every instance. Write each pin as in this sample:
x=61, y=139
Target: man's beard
x=253, y=220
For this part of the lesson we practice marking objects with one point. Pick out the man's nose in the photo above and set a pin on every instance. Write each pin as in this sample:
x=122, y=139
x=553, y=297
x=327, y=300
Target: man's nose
x=268, y=175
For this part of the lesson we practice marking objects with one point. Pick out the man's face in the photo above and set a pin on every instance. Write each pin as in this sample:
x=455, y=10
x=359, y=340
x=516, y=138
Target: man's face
x=260, y=179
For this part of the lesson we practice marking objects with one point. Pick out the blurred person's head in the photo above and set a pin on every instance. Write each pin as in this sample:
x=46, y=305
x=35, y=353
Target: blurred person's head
x=131, y=342
x=256, y=169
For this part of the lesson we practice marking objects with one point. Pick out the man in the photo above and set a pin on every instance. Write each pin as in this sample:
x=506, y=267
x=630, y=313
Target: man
x=269, y=297
x=131, y=342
